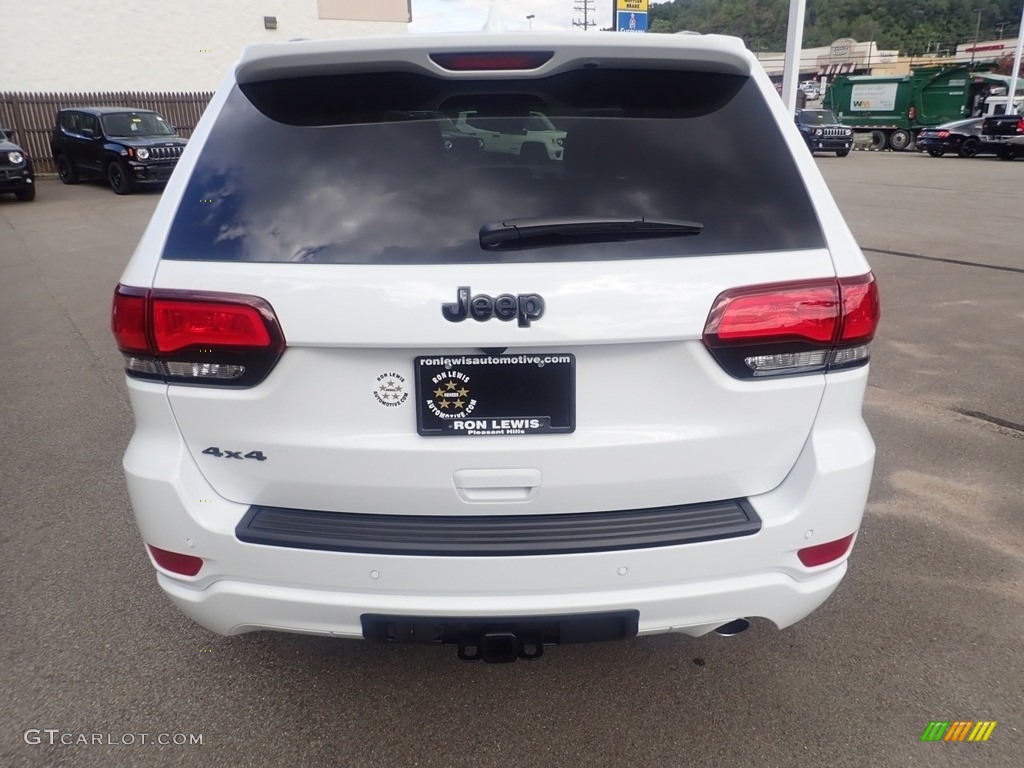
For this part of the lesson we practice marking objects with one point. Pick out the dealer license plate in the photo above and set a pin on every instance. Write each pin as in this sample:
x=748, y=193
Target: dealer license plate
x=478, y=395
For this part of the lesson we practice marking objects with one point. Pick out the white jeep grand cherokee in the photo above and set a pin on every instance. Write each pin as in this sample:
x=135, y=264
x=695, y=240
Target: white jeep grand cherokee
x=391, y=392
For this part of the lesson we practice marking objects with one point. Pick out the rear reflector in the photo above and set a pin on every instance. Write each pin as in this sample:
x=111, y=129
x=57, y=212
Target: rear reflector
x=491, y=60
x=196, y=337
x=788, y=328
x=820, y=554
x=175, y=562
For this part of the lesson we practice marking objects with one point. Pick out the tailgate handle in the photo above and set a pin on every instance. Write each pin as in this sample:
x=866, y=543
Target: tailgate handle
x=490, y=485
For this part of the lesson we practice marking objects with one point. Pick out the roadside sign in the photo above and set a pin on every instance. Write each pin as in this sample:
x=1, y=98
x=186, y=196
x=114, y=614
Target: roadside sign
x=630, y=21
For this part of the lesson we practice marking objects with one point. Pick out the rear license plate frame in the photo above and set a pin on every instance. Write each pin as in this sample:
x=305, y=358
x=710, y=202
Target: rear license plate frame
x=495, y=395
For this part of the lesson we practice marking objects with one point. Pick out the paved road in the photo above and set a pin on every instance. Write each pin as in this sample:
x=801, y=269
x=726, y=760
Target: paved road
x=927, y=625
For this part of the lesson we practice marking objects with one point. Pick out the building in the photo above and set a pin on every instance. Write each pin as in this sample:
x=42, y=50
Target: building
x=843, y=57
x=165, y=45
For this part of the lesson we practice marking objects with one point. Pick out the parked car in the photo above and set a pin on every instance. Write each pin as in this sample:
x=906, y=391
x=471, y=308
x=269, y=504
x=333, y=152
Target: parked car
x=126, y=147
x=530, y=134
x=16, y=172
x=384, y=392
x=455, y=142
x=811, y=88
x=960, y=136
x=822, y=132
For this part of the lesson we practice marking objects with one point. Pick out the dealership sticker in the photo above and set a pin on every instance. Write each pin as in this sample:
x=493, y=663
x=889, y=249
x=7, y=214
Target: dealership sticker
x=451, y=396
x=391, y=390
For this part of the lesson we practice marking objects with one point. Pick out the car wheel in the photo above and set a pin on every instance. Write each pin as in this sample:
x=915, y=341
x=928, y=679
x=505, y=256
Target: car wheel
x=66, y=170
x=969, y=148
x=1007, y=153
x=842, y=152
x=26, y=195
x=936, y=152
x=878, y=141
x=900, y=140
x=117, y=175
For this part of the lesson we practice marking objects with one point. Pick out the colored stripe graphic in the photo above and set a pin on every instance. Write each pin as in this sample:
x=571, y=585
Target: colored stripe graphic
x=982, y=731
x=958, y=730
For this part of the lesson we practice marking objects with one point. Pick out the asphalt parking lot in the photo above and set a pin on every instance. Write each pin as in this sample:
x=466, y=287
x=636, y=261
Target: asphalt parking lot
x=927, y=625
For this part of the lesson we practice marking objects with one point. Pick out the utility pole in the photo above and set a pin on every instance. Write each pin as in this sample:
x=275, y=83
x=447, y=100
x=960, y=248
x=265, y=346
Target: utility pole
x=586, y=8
x=794, y=47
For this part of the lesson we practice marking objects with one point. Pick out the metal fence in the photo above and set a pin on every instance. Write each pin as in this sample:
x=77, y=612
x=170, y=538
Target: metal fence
x=32, y=115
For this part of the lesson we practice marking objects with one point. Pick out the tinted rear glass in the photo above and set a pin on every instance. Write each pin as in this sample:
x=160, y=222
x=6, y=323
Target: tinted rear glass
x=402, y=168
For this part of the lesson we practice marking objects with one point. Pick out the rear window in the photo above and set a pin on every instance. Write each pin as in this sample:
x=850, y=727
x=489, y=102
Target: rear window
x=403, y=168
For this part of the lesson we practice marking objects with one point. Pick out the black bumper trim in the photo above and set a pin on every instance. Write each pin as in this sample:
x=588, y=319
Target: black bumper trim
x=498, y=536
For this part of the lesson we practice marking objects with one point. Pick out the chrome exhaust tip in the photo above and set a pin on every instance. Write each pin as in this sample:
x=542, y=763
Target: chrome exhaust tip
x=734, y=627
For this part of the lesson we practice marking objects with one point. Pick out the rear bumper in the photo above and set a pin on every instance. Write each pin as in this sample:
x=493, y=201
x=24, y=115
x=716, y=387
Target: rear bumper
x=926, y=144
x=690, y=588
x=233, y=607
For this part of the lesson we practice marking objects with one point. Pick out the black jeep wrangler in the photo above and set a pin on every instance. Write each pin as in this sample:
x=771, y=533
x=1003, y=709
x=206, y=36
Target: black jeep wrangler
x=16, y=172
x=823, y=133
x=127, y=147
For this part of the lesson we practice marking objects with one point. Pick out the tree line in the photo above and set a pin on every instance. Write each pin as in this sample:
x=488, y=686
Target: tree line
x=914, y=27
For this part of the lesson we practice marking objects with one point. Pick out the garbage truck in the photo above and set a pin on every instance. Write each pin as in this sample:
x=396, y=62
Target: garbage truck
x=893, y=108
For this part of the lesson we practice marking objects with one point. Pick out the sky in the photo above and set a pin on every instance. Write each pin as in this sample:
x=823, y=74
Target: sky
x=471, y=15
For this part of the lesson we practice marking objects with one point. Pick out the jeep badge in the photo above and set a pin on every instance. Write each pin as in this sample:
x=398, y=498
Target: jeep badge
x=527, y=307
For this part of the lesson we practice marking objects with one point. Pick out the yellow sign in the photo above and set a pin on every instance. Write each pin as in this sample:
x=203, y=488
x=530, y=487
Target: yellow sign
x=631, y=5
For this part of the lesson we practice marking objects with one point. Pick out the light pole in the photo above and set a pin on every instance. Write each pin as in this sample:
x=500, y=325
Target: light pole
x=1012, y=90
x=530, y=18
x=977, y=31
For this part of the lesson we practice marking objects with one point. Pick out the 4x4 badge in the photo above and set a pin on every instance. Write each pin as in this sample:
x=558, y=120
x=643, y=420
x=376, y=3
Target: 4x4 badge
x=527, y=307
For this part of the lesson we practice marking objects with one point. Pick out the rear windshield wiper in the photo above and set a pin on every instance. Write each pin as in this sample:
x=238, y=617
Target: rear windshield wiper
x=565, y=230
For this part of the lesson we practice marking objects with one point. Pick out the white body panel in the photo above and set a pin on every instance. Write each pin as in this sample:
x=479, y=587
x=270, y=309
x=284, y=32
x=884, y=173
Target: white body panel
x=681, y=429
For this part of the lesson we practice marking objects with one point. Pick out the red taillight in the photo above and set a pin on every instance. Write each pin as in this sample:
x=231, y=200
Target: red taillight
x=828, y=552
x=1020, y=125
x=183, y=324
x=491, y=60
x=196, y=337
x=942, y=135
x=175, y=562
x=128, y=319
x=861, y=309
x=800, y=327
x=804, y=312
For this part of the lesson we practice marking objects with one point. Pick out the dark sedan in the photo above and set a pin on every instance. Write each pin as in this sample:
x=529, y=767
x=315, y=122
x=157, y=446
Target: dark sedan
x=960, y=136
